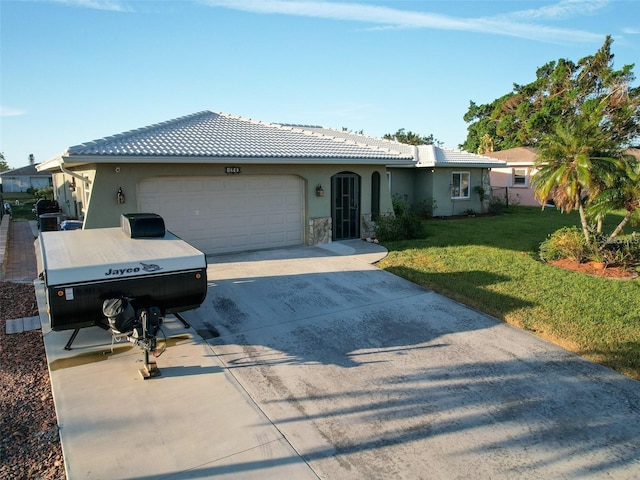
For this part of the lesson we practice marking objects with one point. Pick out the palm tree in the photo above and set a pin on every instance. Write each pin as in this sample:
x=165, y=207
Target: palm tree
x=571, y=163
x=622, y=193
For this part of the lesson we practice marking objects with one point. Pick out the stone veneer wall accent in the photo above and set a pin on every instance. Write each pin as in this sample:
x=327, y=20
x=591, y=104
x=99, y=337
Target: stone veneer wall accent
x=367, y=226
x=320, y=230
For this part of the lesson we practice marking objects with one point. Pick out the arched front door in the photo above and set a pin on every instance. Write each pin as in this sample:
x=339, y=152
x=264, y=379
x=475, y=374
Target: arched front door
x=345, y=205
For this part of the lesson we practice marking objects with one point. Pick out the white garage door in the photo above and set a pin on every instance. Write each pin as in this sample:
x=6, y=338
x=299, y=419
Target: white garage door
x=227, y=214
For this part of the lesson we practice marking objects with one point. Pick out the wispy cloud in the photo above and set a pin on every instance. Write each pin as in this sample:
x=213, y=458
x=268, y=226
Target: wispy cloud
x=10, y=112
x=561, y=10
x=110, y=5
x=514, y=24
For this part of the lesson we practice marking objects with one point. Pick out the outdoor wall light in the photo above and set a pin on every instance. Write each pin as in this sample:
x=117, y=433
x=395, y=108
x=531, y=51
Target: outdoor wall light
x=72, y=185
x=319, y=191
x=120, y=196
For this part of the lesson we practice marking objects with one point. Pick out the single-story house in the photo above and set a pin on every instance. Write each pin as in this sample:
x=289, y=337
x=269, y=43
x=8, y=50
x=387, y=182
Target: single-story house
x=226, y=183
x=514, y=180
x=24, y=178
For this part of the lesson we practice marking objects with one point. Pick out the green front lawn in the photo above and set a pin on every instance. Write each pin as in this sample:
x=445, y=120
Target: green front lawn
x=491, y=264
x=23, y=209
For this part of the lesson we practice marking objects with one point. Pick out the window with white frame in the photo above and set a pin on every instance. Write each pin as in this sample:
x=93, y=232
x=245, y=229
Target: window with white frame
x=519, y=177
x=460, y=185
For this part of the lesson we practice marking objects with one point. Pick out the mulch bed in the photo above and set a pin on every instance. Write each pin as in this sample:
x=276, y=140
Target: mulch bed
x=29, y=440
x=591, y=268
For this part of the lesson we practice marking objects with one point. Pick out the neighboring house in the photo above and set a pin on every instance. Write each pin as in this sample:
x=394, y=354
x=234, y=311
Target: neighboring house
x=514, y=180
x=22, y=179
x=226, y=183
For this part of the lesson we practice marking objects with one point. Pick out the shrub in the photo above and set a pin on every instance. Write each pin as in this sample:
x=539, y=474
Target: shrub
x=425, y=207
x=568, y=242
x=482, y=193
x=386, y=227
x=46, y=192
x=497, y=205
x=404, y=227
x=412, y=227
x=400, y=206
x=621, y=251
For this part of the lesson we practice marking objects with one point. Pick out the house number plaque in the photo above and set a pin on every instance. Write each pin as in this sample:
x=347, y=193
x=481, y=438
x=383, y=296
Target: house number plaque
x=232, y=170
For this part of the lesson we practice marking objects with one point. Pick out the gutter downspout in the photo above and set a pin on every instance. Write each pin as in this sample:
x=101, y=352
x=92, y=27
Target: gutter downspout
x=73, y=174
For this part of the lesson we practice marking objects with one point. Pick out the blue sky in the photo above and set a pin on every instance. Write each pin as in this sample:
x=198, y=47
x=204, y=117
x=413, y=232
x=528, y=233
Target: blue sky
x=72, y=71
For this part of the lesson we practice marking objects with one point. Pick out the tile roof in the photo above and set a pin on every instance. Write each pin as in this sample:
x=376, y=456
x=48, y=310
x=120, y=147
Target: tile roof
x=29, y=170
x=524, y=155
x=425, y=155
x=210, y=134
x=206, y=136
x=433, y=156
x=359, y=138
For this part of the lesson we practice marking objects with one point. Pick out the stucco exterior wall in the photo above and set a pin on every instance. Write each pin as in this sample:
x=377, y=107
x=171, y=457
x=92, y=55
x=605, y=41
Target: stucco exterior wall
x=442, y=183
x=423, y=188
x=434, y=186
x=502, y=181
x=101, y=209
x=403, y=185
x=71, y=193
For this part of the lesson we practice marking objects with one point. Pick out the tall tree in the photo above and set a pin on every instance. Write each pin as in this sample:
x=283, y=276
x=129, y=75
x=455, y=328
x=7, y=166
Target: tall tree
x=561, y=88
x=411, y=138
x=3, y=163
x=486, y=144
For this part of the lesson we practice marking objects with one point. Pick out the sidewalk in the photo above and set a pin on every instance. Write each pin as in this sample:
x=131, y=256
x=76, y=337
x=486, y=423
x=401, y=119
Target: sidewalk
x=19, y=253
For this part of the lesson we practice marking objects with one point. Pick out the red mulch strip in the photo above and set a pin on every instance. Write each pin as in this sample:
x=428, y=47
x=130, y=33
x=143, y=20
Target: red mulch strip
x=591, y=268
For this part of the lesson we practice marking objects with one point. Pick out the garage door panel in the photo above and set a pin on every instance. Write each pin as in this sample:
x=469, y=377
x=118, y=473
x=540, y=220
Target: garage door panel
x=258, y=220
x=173, y=186
x=259, y=239
x=277, y=237
x=149, y=186
x=214, y=184
x=291, y=219
x=276, y=219
x=291, y=200
x=225, y=214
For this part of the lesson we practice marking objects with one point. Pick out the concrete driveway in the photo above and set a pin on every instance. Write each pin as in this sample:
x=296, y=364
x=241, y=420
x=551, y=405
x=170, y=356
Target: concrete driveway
x=311, y=363
x=368, y=376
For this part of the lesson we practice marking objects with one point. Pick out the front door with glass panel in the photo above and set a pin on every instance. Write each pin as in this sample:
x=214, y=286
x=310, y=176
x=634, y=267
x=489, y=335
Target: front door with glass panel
x=345, y=205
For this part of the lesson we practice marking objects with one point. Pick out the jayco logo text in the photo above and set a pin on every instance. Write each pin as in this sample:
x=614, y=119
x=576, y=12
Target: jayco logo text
x=145, y=267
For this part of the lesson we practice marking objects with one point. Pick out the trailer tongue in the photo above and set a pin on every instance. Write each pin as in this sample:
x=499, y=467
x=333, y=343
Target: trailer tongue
x=124, y=280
